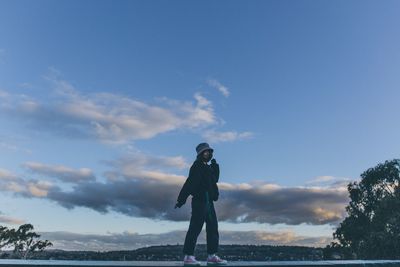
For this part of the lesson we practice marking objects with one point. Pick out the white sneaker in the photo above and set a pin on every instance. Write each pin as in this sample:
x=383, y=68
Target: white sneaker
x=215, y=260
x=190, y=260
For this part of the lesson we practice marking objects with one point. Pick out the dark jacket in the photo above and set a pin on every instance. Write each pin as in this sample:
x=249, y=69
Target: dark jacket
x=202, y=178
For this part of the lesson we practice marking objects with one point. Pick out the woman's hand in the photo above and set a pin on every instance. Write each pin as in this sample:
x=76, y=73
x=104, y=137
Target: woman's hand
x=178, y=205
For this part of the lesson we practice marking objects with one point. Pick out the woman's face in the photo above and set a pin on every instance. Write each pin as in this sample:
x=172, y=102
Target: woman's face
x=207, y=155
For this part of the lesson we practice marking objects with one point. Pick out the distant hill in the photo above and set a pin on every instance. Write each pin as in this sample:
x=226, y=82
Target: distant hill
x=174, y=253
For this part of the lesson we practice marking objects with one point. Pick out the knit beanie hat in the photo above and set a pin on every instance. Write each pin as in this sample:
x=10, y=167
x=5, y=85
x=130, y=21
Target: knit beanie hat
x=202, y=147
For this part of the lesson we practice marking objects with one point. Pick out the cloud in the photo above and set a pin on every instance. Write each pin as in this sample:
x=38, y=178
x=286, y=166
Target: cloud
x=137, y=190
x=220, y=87
x=217, y=137
x=7, y=175
x=137, y=198
x=11, y=220
x=10, y=182
x=321, y=179
x=13, y=147
x=340, y=182
x=155, y=199
x=129, y=241
x=60, y=172
x=9, y=102
x=142, y=166
x=266, y=203
x=110, y=118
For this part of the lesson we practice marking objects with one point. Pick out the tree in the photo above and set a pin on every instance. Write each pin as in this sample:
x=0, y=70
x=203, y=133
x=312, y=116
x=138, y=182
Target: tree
x=4, y=237
x=26, y=241
x=372, y=228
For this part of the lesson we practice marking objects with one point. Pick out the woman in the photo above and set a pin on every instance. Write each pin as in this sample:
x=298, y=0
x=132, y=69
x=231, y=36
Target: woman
x=202, y=185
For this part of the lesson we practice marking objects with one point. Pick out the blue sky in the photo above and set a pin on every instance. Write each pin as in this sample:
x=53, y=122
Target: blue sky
x=102, y=104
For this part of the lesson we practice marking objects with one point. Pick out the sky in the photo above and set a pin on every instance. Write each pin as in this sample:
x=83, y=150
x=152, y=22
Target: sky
x=102, y=104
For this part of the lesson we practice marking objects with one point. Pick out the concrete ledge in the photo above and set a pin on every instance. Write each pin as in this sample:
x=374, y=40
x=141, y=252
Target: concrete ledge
x=60, y=263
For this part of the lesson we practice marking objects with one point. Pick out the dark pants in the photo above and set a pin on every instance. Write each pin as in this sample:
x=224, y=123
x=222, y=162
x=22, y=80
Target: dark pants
x=199, y=216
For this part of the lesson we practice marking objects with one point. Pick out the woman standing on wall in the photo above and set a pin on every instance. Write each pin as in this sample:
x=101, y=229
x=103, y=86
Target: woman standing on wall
x=202, y=185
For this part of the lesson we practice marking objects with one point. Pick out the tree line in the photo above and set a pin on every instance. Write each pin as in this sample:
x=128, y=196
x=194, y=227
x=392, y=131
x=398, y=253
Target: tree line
x=22, y=241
